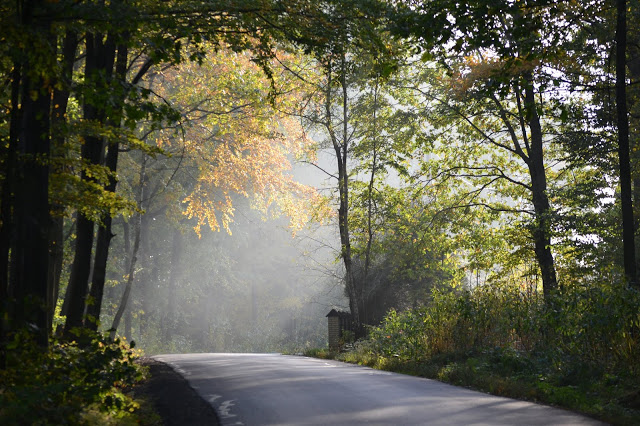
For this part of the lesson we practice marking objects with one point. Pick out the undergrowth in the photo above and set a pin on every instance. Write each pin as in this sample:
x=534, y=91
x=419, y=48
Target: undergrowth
x=69, y=383
x=579, y=350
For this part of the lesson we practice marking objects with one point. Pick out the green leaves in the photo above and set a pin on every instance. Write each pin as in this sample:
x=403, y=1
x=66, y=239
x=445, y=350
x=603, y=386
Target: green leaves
x=64, y=383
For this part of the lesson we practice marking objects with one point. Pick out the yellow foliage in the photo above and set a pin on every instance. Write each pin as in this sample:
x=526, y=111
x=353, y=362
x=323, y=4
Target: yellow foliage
x=240, y=138
x=479, y=69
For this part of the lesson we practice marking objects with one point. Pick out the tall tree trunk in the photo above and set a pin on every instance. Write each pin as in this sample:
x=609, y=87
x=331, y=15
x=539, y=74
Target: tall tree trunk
x=366, y=316
x=104, y=231
x=67, y=298
x=542, y=226
x=60, y=101
x=31, y=211
x=99, y=61
x=628, y=228
x=6, y=219
x=341, y=149
x=633, y=67
x=94, y=302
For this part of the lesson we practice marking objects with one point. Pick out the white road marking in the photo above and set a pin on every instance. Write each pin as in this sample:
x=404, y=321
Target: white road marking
x=225, y=408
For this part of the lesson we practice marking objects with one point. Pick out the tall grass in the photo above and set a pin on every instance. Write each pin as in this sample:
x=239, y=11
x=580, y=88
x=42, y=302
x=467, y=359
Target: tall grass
x=580, y=349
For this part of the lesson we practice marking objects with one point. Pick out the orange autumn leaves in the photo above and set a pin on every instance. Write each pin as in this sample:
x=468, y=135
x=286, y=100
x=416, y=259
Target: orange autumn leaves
x=236, y=137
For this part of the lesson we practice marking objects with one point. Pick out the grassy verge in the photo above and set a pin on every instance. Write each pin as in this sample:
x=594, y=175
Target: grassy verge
x=579, y=349
x=612, y=399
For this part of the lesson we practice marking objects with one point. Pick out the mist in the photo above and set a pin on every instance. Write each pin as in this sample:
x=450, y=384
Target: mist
x=259, y=288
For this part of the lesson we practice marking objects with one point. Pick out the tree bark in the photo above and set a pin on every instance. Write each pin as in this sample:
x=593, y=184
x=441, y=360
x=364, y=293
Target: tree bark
x=29, y=257
x=94, y=304
x=366, y=298
x=32, y=210
x=633, y=69
x=98, y=70
x=105, y=234
x=628, y=227
x=542, y=226
x=7, y=228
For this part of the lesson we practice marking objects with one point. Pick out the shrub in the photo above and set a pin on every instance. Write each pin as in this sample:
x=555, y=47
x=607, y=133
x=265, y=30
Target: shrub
x=592, y=327
x=67, y=383
x=580, y=349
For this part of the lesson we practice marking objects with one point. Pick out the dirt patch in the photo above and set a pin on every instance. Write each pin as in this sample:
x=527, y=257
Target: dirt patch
x=173, y=399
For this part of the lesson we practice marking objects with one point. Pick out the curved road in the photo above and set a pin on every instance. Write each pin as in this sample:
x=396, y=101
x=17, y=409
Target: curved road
x=273, y=389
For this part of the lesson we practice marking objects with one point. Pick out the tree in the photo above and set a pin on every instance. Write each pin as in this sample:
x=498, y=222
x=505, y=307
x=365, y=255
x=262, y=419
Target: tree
x=100, y=54
x=231, y=140
x=35, y=71
x=354, y=109
x=25, y=201
x=628, y=225
x=512, y=46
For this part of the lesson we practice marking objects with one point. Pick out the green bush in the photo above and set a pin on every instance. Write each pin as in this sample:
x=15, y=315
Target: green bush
x=67, y=383
x=584, y=326
x=579, y=349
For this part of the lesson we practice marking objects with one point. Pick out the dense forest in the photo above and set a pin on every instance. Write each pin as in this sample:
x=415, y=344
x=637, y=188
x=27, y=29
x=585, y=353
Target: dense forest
x=476, y=192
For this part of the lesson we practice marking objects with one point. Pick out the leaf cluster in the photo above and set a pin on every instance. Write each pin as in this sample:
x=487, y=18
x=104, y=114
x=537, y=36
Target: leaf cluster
x=59, y=385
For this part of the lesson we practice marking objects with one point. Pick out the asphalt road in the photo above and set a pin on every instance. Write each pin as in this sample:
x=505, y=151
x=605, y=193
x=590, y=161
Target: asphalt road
x=273, y=389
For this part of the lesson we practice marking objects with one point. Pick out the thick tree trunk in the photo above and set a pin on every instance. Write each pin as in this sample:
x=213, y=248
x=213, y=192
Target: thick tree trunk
x=56, y=261
x=341, y=149
x=542, y=226
x=31, y=220
x=366, y=299
x=628, y=228
x=98, y=70
x=633, y=67
x=104, y=232
x=65, y=301
x=7, y=229
x=6, y=219
x=31, y=210
x=78, y=281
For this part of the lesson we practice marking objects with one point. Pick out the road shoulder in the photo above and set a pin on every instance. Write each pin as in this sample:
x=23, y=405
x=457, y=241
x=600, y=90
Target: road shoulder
x=172, y=398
